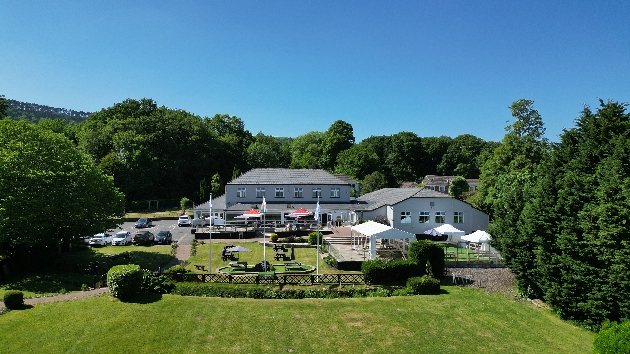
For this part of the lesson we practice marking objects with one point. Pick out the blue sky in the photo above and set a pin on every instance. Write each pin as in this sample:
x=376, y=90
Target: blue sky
x=289, y=67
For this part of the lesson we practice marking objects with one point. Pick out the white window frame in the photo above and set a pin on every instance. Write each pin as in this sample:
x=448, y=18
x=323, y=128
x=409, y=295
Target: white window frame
x=241, y=192
x=405, y=217
x=426, y=215
x=458, y=217
x=317, y=192
x=260, y=192
x=298, y=192
x=440, y=214
x=279, y=192
x=335, y=192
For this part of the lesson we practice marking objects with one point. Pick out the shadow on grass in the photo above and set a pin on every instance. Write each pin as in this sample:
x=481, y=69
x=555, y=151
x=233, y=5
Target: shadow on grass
x=144, y=298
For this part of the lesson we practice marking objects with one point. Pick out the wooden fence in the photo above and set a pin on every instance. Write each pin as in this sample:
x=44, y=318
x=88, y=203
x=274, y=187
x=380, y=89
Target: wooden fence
x=279, y=279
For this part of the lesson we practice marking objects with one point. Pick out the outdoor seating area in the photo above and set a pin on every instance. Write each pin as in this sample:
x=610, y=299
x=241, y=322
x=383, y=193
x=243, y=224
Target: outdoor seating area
x=226, y=254
x=200, y=267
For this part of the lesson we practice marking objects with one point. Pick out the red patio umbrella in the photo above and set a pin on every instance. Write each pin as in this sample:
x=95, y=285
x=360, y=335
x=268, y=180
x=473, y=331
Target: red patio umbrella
x=252, y=213
x=300, y=212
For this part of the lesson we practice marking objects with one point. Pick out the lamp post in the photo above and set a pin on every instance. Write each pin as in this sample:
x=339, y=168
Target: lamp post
x=210, y=231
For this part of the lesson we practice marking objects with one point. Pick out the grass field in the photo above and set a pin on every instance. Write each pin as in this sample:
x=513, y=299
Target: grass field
x=462, y=320
x=303, y=255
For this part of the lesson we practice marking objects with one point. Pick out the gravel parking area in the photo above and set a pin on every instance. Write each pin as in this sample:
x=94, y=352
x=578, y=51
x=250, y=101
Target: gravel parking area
x=494, y=280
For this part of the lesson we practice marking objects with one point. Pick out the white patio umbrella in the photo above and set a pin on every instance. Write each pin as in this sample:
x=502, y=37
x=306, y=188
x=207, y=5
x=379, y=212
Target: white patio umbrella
x=449, y=229
x=478, y=236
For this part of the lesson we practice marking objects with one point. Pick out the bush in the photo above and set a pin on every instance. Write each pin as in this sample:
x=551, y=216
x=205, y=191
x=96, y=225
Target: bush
x=424, y=285
x=124, y=281
x=265, y=292
x=273, y=238
x=613, y=338
x=379, y=271
x=425, y=251
x=177, y=269
x=313, y=238
x=331, y=261
x=156, y=284
x=13, y=299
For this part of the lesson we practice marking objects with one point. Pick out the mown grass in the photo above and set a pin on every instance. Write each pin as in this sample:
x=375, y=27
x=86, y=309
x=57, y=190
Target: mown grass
x=461, y=320
x=303, y=255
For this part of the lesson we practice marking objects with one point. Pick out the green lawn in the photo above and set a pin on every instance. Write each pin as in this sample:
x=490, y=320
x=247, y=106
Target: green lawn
x=303, y=255
x=462, y=320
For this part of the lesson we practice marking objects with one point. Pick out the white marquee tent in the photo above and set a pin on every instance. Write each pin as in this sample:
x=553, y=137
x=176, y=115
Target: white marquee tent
x=454, y=233
x=375, y=230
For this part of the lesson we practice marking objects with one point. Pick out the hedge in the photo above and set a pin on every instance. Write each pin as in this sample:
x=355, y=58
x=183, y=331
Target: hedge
x=125, y=280
x=613, y=338
x=13, y=299
x=426, y=251
x=379, y=271
x=423, y=285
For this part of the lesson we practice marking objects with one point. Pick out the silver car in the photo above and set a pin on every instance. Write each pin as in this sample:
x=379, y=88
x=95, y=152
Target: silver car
x=122, y=238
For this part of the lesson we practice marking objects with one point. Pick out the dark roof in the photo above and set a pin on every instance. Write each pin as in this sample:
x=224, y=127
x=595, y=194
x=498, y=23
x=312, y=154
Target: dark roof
x=433, y=180
x=345, y=178
x=217, y=203
x=283, y=176
x=391, y=196
x=409, y=185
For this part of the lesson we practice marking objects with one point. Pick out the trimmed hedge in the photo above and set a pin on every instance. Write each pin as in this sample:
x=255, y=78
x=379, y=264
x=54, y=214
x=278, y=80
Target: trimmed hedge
x=312, y=238
x=13, y=299
x=125, y=280
x=379, y=271
x=424, y=285
x=264, y=292
x=613, y=338
x=426, y=251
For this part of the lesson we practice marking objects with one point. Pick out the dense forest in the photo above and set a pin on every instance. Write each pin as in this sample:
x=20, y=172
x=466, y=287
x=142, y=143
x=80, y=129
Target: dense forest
x=160, y=153
x=33, y=113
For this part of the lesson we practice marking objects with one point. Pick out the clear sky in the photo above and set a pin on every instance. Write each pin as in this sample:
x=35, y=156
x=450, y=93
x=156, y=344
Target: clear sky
x=289, y=67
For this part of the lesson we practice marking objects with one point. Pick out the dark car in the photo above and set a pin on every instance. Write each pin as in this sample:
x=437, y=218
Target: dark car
x=143, y=222
x=143, y=238
x=164, y=237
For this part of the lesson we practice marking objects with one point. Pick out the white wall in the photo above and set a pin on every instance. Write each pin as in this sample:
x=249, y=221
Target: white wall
x=473, y=219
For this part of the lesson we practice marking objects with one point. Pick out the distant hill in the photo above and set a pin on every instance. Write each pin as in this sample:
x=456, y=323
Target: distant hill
x=32, y=112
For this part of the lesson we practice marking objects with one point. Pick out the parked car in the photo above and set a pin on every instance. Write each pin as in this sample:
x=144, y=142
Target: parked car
x=122, y=238
x=184, y=220
x=143, y=222
x=143, y=238
x=164, y=237
x=101, y=240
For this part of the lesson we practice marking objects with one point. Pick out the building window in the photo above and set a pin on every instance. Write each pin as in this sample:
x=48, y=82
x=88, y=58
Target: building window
x=240, y=192
x=442, y=189
x=424, y=217
x=279, y=192
x=334, y=192
x=260, y=192
x=405, y=217
x=440, y=217
x=458, y=217
x=297, y=193
x=317, y=192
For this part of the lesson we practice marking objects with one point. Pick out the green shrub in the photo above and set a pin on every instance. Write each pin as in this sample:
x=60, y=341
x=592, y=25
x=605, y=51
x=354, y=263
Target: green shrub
x=613, y=338
x=425, y=251
x=424, y=285
x=265, y=292
x=13, y=299
x=125, y=280
x=313, y=237
x=379, y=271
x=273, y=238
x=177, y=269
x=156, y=284
x=331, y=261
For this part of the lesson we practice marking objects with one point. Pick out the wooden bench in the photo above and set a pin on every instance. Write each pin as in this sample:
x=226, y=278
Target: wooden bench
x=200, y=267
x=279, y=256
x=227, y=255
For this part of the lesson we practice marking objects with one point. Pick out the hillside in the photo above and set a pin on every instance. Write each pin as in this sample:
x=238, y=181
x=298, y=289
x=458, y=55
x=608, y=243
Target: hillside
x=33, y=112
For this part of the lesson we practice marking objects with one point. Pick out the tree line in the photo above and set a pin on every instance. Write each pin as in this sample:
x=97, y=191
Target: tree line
x=154, y=152
x=560, y=211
